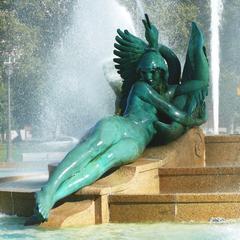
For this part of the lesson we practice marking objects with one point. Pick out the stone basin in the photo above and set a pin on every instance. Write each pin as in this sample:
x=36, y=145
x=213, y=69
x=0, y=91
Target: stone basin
x=191, y=179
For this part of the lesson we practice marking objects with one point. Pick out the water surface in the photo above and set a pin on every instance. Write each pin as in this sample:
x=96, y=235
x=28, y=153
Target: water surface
x=12, y=228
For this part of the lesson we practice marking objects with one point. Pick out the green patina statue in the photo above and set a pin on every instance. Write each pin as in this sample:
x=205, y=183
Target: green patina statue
x=156, y=107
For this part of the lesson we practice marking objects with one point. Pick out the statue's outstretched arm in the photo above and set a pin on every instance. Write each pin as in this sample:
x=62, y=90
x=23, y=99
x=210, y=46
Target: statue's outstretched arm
x=148, y=94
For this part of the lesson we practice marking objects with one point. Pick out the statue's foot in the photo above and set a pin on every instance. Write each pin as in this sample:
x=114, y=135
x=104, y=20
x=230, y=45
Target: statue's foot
x=35, y=219
x=43, y=203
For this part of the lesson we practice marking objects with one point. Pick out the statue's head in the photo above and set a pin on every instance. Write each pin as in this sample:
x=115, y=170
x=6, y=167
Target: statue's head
x=152, y=68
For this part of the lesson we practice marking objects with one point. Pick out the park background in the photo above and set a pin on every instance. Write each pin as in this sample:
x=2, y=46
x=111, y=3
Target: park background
x=34, y=32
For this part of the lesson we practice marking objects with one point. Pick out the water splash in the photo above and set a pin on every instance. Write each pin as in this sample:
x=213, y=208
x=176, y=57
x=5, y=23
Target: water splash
x=140, y=8
x=139, y=16
x=79, y=95
x=216, y=16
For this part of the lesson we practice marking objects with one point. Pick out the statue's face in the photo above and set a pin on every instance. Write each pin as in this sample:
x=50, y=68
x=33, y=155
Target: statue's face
x=153, y=76
x=153, y=69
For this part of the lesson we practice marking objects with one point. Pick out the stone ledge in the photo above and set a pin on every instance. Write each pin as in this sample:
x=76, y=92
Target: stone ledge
x=199, y=180
x=174, y=207
x=222, y=139
x=15, y=203
x=199, y=171
x=72, y=214
x=25, y=184
x=223, y=150
x=140, y=176
x=25, y=165
x=177, y=198
x=187, y=151
x=147, y=208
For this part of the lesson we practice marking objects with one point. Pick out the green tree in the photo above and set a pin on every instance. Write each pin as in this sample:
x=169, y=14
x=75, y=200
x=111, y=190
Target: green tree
x=32, y=28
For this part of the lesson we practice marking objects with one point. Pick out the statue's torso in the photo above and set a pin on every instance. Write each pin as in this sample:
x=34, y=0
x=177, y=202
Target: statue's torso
x=142, y=115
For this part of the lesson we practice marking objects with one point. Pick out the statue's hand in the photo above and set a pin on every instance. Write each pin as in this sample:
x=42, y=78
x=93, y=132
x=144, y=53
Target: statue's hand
x=151, y=33
x=197, y=121
x=167, y=132
x=203, y=112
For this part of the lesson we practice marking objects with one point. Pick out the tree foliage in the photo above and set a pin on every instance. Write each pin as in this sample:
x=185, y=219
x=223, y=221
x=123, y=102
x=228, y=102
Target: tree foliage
x=34, y=28
x=31, y=29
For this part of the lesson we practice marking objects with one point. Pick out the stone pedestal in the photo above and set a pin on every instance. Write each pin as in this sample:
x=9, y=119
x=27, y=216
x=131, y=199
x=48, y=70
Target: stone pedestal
x=168, y=183
x=187, y=151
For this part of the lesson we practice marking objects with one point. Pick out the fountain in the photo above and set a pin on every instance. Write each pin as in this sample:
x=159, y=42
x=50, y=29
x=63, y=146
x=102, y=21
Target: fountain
x=202, y=187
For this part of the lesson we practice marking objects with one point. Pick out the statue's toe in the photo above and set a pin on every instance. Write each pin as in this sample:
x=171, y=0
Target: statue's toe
x=34, y=220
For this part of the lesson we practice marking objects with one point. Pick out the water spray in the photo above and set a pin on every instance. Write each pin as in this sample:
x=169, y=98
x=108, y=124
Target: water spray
x=216, y=16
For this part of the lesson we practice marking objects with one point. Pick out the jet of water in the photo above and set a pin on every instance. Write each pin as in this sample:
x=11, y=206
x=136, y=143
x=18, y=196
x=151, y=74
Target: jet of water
x=140, y=8
x=216, y=16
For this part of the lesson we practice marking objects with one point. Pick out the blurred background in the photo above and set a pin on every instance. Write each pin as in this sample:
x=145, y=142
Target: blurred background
x=57, y=78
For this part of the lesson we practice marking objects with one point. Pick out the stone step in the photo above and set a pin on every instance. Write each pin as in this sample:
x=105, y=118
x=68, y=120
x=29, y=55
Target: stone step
x=222, y=150
x=169, y=183
x=72, y=214
x=201, y=207
x=199, y=180
x=140, y=177
x=75, y=212
x=17, y=203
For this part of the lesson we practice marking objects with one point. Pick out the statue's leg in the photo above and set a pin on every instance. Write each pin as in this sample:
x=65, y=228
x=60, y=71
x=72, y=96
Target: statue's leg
x=123, y=152
x=104, y=135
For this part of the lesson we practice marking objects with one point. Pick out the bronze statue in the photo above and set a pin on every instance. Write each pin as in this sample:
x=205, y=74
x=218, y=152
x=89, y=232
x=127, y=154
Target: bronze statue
x=157, y=106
